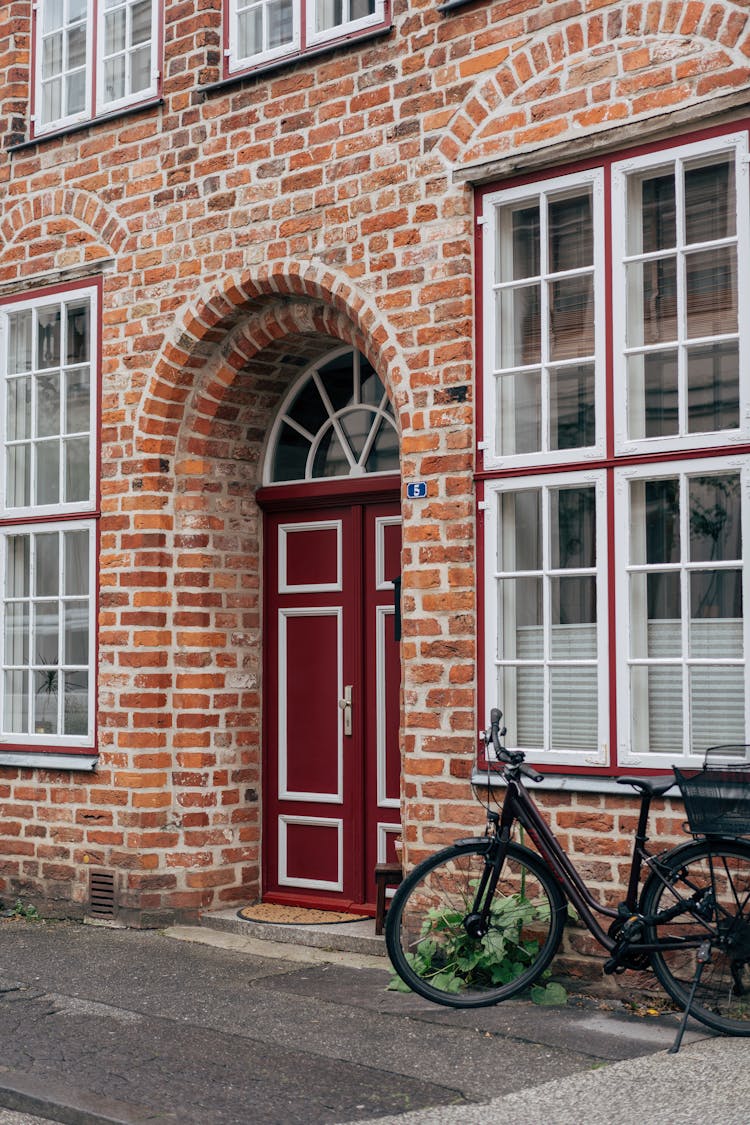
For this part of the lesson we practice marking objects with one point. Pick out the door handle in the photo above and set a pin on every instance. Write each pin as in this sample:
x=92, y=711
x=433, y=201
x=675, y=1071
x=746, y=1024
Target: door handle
x=346, y=706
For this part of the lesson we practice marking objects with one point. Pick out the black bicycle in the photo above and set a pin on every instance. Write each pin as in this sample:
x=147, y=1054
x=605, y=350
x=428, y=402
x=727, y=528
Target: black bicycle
x=481, y=920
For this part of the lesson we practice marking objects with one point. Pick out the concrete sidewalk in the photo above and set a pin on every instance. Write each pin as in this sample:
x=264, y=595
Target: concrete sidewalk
x=198, y=1027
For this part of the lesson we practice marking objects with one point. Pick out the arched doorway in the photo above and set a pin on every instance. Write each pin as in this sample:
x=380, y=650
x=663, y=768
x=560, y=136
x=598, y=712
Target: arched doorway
x=332, y=545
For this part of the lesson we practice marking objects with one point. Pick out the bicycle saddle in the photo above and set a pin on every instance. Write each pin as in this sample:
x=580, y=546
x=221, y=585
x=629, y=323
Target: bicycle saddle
x=656, y=786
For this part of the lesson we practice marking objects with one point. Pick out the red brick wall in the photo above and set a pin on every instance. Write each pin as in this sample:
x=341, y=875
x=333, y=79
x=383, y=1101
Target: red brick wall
x=235, y=227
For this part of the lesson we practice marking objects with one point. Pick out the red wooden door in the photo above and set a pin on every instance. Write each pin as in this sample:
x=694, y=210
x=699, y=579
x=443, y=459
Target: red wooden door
x=332, y=676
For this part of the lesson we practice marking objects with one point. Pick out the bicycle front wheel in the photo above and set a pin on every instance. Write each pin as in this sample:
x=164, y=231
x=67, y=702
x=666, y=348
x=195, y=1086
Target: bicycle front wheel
x=435, y=936
x=715, y=875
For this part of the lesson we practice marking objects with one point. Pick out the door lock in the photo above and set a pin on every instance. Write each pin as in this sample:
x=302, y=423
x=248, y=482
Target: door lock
x=346, y=706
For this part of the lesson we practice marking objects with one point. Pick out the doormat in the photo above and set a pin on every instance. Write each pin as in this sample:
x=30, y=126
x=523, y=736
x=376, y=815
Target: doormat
x=295, y=915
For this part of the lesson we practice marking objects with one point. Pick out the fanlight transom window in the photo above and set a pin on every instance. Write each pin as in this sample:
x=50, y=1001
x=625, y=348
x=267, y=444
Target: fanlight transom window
x=336, y=422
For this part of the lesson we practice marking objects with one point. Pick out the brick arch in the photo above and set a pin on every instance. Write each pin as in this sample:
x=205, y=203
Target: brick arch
x=60, y=228
x=244, y=316
x=602, y=69
x=261, y=336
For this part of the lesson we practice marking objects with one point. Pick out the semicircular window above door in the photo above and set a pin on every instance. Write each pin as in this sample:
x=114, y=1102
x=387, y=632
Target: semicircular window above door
x=336, y=422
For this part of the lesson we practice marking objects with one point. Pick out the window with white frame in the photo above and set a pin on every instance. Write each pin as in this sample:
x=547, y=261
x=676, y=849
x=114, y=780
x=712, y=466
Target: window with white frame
x=679, y=295
x=682, y=586
x=664, y=427
x=264, y=30
x=118, y=38
x=543, y=309
x=546, y=558
x=47, y=531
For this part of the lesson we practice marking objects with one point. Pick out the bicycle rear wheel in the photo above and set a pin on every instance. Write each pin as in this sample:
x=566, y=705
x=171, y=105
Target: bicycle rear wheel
x=431, y=926
x=715, y=873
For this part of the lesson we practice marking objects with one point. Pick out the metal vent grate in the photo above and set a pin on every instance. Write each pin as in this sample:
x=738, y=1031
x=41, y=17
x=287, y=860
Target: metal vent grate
x=101, y=894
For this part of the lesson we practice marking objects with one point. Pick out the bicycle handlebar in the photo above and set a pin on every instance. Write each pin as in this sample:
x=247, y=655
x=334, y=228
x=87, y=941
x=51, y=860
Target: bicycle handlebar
x=514, y=758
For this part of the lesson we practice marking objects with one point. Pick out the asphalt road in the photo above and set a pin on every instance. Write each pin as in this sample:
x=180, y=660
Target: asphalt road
x=101, y=1026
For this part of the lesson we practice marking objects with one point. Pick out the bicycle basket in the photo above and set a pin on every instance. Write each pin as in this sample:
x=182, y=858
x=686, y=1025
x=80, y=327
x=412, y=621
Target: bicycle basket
x=717, y=798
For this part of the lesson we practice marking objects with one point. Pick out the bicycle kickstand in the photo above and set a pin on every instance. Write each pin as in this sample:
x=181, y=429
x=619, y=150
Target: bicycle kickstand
x=703, y=956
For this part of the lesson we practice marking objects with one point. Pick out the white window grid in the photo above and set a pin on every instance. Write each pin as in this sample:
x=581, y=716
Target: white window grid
x=47, y=680
x=541, y=192
x=677, y=158
x=54, y=62
x=37, y=371
x=495, y=662
x=633, y=705
x=314, y=23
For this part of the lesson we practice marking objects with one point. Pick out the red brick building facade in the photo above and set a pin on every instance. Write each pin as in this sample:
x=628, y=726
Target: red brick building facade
x=261, y=268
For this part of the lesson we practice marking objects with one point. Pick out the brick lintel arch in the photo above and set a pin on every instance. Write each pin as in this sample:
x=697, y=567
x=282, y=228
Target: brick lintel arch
x=65, y=204
x=243, y=315
x=583, y=74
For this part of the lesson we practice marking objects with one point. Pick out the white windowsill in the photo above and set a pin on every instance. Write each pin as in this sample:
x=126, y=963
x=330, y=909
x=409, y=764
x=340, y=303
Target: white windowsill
x=85, y=763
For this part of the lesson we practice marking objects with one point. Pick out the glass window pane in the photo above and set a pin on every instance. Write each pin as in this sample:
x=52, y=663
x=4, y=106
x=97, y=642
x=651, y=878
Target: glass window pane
x=715, y=526
x=76, y=42
x=16, y=702
x=519, y=413
x=653, y=404
x=77, y=486
x=716, y=614
x=710, y=202
x=48, y=337
x=574, y=719
x=18, y=418
x=655, y=615
x=655, y=522
x=520, y=546
x=573, y=618
x=384, y=454
x=572, y=528
x=652, y=301
x=75, y=702
x=521, y=633
x=571, y=326
x=52, y=14
x=571, y=235
x=280, y=22
x=16, y=633
x=291, y=453
x=18, y=483
x=76, y=562
x=140, y=70
x=17, y=566
x=114, y=78
x=77, y=401
x=75, y=89
x=52, y=56
x=717, y=706
x=48, y=405
x=658, y=229
x=520, y=327
x=45, y=700
x=52, y=100
x=330, y=458
x=46, y=564
x=522, y=689
x=19, y=342
x=711, y=281
x=250, y=32
x=114, y=32
x=47, y=472
x=76, y=633
x=518, y=244
x=328, y=13
x=572, y=407
x=656, y=709
x=46, y=635
x=140, y=23
x=713, y=376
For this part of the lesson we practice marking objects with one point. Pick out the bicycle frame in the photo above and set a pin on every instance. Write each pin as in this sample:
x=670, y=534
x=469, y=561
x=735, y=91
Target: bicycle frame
x=519, y=806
